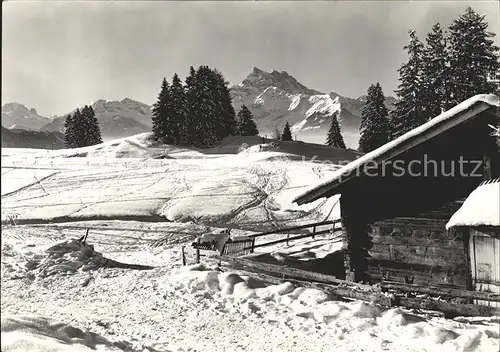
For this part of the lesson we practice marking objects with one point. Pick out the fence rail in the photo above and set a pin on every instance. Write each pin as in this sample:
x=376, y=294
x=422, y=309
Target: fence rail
x=295, y=228
x=246, y=245
x=289, y=230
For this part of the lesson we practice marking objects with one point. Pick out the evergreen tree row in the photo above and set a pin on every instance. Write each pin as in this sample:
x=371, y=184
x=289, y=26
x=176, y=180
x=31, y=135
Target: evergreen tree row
x=448, y=69
x=199, y=113
x=82, y=128
x=451, y=67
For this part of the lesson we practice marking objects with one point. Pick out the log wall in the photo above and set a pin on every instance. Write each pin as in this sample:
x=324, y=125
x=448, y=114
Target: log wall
x=418, y=251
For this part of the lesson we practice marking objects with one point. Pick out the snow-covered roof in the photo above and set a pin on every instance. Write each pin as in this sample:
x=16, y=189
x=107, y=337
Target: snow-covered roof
x=346, y=171
x=481, y=208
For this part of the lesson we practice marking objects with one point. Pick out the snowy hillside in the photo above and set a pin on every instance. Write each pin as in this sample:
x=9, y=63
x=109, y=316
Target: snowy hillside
x=131, y=178
x=276, y=97
x=116, y=118
x=15, y=115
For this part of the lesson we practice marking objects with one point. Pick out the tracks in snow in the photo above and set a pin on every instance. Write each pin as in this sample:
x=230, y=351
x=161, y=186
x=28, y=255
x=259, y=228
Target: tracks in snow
x=37, y=182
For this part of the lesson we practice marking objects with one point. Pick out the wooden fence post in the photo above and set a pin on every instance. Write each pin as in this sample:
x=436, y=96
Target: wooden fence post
x=253, y=245
x=287, y=237
x=86, y=235
x=183, y=256
x=197, y=256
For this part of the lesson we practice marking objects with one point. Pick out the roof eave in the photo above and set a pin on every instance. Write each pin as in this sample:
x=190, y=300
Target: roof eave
x=330, y=189
x=320, y=192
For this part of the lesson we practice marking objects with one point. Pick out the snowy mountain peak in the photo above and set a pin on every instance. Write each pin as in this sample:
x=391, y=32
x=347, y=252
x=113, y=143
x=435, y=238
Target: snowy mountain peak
x=260, y=80
x=125, y=102
x=14, y=107
x=16, y=115
x=258, y=71
x=276, y=97
x=323, y=104
x=321, y=108
x=125, y=108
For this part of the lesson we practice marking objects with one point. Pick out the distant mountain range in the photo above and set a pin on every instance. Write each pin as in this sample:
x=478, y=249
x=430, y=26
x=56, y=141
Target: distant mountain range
x=273, y=97
x=117, y=119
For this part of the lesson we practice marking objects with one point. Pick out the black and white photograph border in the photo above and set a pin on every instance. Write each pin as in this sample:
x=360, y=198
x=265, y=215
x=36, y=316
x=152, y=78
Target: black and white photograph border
x=250, y=176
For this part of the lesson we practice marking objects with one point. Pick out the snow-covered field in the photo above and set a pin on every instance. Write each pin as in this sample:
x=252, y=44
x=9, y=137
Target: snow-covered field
x=195, y=308
x=251, y=189
x=67, y=301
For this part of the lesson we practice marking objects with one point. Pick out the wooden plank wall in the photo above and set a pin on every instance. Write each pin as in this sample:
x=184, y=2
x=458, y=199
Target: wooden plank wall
x=419, y=249
x=485, y=262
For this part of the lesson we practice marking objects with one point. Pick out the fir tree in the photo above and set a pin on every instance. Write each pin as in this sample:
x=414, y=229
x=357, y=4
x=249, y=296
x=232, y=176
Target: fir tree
x=160, y=115
x=375, y=128
x=245, y=124
x=473, y=57
x=79, y=129
x=97, y=135
x=177, y=110
x=334, y=137
x=90, y=127
x=190, y=79
x=83, y=127
x=191, y=119
x=436, y=72
x=286, y=135
x=69, y=133
x=204, y=108
x=227, y=113
x=410, y=109
x=211, y=115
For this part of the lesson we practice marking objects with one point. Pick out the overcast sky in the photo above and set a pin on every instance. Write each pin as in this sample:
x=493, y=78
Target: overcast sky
x=60, y=55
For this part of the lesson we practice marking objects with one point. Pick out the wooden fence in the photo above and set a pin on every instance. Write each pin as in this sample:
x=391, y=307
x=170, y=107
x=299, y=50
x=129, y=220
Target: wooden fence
x=290, y=230
x=247, y=244
x=387, y=293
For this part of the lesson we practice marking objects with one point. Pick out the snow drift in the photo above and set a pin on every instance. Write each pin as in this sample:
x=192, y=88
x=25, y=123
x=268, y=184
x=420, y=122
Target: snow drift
x=31, y=333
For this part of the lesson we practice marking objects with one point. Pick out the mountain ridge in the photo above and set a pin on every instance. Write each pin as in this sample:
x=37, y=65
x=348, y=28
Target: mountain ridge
x=273, y=97
x=117, y=119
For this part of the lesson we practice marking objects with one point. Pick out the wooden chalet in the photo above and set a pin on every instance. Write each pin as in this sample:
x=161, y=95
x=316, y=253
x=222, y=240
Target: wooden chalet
x=396, y=200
